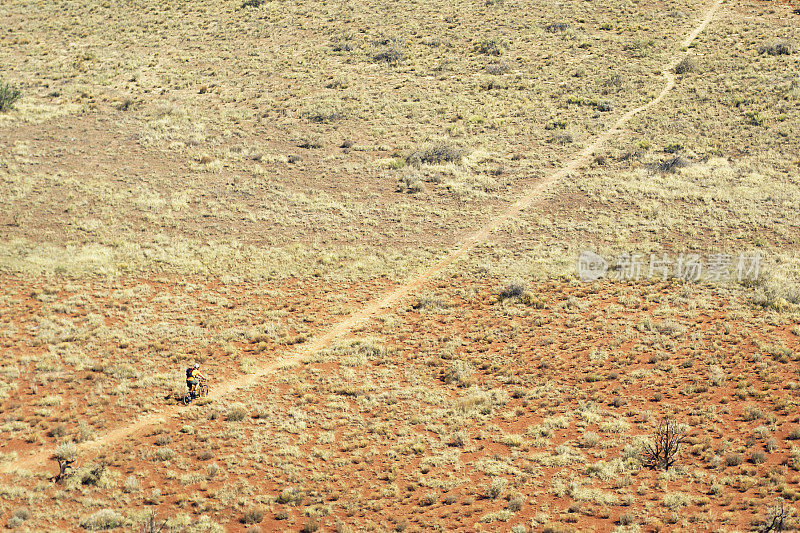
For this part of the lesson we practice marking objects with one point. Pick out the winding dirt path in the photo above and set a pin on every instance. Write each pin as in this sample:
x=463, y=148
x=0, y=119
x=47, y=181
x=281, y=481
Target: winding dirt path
x=387, y=300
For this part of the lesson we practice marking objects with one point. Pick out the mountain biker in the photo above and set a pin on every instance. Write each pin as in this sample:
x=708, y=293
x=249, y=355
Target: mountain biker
x=193, y=377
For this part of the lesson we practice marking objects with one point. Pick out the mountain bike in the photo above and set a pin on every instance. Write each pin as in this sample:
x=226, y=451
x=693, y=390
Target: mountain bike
x=202, y=391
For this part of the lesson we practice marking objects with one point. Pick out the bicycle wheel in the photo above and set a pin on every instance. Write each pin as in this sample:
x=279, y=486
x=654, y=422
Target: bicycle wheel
x=203, y=390
x=187, y=399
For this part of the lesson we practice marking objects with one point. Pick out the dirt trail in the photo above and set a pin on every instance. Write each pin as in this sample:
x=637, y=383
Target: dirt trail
x=389, y=299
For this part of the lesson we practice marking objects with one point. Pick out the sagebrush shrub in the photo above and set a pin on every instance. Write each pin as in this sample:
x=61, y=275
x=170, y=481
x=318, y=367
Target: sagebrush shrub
x=671, y=165
x=459, y=373
x=685, y=66
x=391, y=55
x=236, y=414
x=556, y=27
x=253, y=515
x=780, y=48
x=8, y=96
x=490, y=47
x=437, y=154
x=514, y=289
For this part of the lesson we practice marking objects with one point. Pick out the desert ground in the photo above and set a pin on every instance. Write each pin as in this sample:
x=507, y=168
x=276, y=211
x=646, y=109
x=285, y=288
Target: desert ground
x=367, y=222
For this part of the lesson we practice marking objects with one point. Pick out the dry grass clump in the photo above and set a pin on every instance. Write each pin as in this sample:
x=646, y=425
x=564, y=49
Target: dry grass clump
x=497, y=69
x=325, y=113
x=103, y=520
x=236, y=414
x=773, y=293
x=253, y=515
x=411, y=181
x=460, y=373
x=66, y=452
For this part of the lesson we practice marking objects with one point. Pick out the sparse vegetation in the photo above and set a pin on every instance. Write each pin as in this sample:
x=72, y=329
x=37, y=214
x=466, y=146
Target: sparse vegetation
x=324, y=203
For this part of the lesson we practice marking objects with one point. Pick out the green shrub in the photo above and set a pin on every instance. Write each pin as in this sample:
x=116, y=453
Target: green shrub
x=556, y=124
x=8, y=96
x=754, y=118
